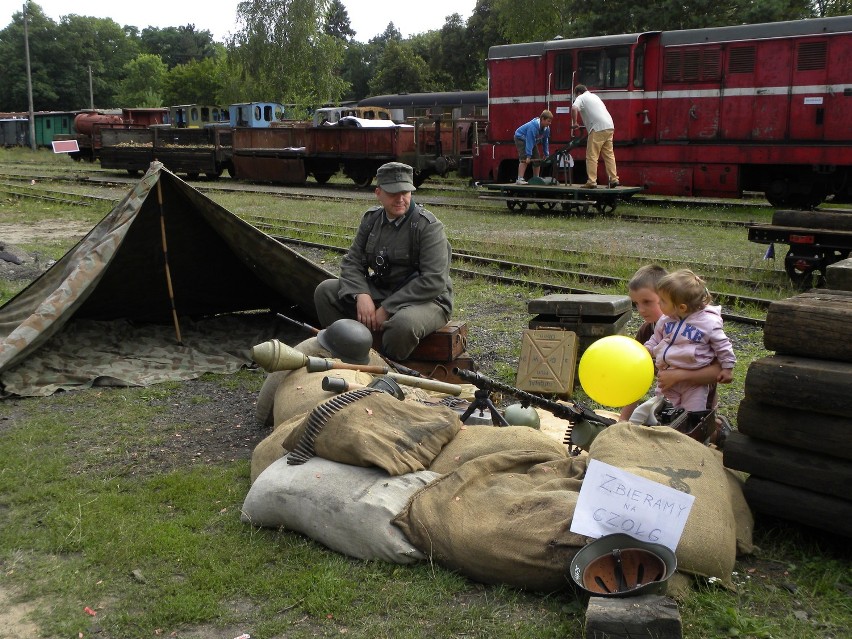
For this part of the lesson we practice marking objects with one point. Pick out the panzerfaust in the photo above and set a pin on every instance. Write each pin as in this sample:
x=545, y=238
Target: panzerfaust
x=583, y=423
x=274, y=355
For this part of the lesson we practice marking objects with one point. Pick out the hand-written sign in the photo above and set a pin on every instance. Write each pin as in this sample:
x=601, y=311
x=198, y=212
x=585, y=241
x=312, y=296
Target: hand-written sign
x=613, y=500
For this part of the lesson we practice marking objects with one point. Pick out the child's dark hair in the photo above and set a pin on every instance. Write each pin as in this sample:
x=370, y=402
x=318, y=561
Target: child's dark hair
x=685, y=287
x=647, y=277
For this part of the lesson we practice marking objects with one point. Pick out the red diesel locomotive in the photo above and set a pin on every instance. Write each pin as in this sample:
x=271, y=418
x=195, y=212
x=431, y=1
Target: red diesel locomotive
x=702, y=112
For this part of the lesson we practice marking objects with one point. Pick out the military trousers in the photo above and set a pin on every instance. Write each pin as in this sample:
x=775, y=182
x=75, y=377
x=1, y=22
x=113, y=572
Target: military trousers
x=401, y=333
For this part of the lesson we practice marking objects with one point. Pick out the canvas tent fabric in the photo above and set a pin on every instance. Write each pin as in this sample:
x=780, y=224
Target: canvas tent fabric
x=106, y=312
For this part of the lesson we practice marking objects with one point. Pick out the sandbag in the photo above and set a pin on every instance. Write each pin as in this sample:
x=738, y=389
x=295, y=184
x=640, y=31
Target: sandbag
x=265, y=406
x=302, y=391
x=346, y=508
x=379, y=430
x=271, y=448
x=501, y=518
x=475, y=441
x=266, y=396
x=708, y=546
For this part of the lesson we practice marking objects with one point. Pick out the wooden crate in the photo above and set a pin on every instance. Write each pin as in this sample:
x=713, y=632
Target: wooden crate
x=590, y=316
x=444, y=345
x=443, y=371
x=547, y=362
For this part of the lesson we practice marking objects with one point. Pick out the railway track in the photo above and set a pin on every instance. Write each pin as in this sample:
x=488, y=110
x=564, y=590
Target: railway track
x=445, y=196
x=558, y=259
x=549, y=285
x=556, y=270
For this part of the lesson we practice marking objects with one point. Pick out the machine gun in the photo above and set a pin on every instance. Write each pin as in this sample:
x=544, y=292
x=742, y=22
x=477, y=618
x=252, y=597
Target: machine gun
x=583, y=423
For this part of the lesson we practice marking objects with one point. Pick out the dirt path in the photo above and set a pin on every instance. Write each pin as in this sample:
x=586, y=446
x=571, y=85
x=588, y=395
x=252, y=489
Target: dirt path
x=43, y=231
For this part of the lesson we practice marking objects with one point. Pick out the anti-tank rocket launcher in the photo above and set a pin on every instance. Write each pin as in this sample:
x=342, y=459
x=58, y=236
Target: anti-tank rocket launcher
x=583, y=423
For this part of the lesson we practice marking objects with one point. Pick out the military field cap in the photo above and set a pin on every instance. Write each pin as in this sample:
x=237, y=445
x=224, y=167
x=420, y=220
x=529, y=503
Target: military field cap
x=395, y=177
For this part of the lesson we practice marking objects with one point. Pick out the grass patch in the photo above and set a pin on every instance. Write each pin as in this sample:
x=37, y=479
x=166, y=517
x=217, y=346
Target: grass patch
x=127, y=501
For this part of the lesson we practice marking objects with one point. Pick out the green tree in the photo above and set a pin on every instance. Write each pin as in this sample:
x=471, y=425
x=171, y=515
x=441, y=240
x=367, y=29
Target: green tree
x=177, y=45
x=458, y=56
x=337, y=22
x=400, y=70
x=483, y=30
x=282, y=54
x=143, y=83
x=43, y=54
x=99, y=44
x=197, y=82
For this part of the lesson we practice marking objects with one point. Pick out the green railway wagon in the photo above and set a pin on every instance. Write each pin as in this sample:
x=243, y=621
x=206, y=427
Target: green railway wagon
x=49, y=124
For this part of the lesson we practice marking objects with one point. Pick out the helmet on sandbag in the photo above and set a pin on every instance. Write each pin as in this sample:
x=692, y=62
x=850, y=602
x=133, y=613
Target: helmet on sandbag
x=347, y=340
x=520, y=415
x=621, y=566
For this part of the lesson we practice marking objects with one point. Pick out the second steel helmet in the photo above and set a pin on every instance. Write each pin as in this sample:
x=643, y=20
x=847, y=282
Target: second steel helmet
x=620, y=566
x=347, y=340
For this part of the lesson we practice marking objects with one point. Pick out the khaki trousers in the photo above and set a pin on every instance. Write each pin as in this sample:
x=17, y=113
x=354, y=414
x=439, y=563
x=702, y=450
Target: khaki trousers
x=599, y=144
x=401, y=333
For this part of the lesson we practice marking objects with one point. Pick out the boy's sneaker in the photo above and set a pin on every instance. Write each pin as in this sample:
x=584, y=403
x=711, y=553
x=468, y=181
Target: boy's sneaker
x=520, y=181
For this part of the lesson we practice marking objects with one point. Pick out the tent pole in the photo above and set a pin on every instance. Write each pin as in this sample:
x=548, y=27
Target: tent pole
x=166, y=261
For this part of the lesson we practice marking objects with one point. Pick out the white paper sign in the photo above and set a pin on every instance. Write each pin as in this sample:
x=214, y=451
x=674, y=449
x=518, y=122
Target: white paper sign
x=613, y=500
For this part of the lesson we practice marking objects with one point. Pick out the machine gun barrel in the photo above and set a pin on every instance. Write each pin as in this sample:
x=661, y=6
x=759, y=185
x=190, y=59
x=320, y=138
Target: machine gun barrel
x=572, y=412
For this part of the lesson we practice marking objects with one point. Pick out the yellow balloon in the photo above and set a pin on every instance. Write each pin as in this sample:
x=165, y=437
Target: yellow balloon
x=616, y=370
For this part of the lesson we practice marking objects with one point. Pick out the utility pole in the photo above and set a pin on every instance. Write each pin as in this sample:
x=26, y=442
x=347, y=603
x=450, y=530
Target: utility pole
x=29, y=80
x=91, y=93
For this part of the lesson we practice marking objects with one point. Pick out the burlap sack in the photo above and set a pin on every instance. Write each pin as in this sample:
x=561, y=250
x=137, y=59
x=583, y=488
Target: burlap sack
x=475, y=441
x=266, y=396
x=708, y=546
x=264, y=408
x=302, y=391
x=501, y=518
x=346, y=508
x=270, y=448
x=380, y=430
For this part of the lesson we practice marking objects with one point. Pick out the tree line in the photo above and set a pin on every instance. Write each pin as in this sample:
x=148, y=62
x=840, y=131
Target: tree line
x=303, y=52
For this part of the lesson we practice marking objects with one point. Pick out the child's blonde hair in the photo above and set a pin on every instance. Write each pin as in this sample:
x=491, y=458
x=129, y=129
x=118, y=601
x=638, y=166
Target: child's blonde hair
x=647, y=277
x=685, y=287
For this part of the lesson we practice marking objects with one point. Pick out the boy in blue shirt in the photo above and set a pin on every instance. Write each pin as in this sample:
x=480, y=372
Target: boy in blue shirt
x=527, y=138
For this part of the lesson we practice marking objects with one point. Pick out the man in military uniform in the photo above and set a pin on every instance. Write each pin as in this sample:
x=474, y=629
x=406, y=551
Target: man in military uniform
x=396, y=276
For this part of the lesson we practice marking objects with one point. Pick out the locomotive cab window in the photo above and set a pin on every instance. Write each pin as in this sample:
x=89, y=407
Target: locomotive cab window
x=564, y=72
x=639, y=67
x=607, y=68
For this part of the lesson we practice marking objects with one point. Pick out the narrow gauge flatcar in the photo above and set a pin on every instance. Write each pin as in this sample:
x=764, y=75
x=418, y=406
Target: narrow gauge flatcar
x=191, y=151
x=701, y=112
x=88, y=125
x=358, y=147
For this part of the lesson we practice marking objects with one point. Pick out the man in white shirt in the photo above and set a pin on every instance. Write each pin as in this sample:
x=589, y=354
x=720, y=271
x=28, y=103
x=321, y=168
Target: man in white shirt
x=600, y=128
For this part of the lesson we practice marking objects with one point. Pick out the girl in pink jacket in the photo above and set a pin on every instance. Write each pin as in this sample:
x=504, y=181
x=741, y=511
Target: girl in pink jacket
x=689, y=335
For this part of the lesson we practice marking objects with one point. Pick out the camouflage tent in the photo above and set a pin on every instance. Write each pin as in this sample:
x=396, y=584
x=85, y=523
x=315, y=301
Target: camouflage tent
x=168, y=285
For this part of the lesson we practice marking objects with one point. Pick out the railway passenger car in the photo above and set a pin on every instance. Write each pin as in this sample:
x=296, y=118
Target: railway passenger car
x=700, y=112
x=258, y=115
x=50, y=124
x=449, y=104
x=14, y=131
x=197, y=115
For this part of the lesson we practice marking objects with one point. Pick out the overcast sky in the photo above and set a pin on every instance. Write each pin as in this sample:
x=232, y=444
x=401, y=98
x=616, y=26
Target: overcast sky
x=366, y=18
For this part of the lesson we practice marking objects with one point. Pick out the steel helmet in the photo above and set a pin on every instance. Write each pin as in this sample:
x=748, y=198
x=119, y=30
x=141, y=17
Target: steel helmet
x=621, y=566
x=347, y=340
x=520, y=415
